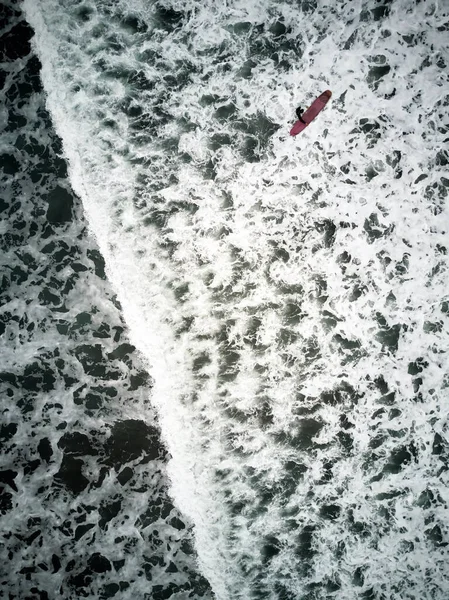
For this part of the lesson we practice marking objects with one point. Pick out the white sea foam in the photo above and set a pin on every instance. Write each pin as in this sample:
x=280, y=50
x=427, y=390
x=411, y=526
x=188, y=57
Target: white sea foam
x=288, y=293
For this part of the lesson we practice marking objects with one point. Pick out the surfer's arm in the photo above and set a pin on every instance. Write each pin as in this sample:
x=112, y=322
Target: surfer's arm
x=299, y=112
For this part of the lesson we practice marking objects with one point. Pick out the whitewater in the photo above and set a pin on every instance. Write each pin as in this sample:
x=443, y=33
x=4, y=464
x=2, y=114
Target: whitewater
x=289, y=296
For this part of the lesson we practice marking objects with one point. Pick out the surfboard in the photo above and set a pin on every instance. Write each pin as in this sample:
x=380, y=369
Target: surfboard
x=308, y=115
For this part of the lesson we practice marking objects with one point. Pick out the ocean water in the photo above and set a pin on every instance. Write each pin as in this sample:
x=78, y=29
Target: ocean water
x=84, y=506
x=225, y=349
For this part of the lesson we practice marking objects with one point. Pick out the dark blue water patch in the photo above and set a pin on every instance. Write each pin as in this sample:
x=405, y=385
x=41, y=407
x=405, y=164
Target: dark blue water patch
x=218, y=140
x=440, y=448
x=302, y=439
x=30, y=84
x=378, y=13
x=60, y=203
x=250, y=149
x=275, y=42
x=330, y=512
x=372, y=130
x=245, y=71
x=401, y=457
x=347, y=46
x=280, y=251
x=388, y=335
x=320, y=292
x=328, y=229
x=15, y=43
x=441, y=158
x=413, y=39
x=393, y=160
x=37, y=377
x=9, y=164
x=94, y=361
x=167, y=19
x=293, y=313
x=304, y=548
x=308, y=6
x=344, y=394
x=84, y=13
x=436, y=194
x=240, y=28
x=382, y=11
x=295, y=471
x=98, y=262
x=258, y=126
x=9, y=14
x=210, y=99
x=130, y=440
x=376, y=73
x=374, y=229
x=357, y=291
x=224, y=112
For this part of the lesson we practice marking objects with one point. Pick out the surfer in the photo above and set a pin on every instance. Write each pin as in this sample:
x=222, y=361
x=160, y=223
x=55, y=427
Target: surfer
x=316, y=107
x=299, y=112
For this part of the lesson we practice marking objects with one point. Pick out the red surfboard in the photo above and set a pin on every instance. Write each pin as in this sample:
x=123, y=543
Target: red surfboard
x=309, y=114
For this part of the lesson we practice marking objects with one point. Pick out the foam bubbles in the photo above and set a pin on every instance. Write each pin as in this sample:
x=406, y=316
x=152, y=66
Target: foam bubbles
x=288, y=293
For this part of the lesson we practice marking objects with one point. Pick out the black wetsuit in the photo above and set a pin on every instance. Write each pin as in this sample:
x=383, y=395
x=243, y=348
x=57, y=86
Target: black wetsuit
x=299, y=115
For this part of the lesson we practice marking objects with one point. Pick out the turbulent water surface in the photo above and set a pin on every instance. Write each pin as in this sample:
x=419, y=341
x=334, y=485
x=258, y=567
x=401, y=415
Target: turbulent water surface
x=287, y=295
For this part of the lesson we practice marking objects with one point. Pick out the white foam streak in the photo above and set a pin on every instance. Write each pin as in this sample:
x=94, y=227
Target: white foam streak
x=289, y=302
